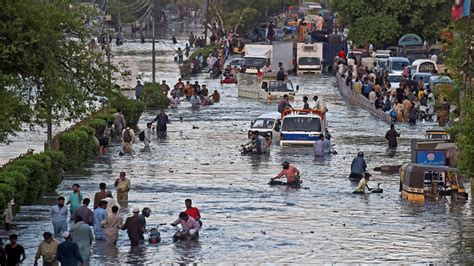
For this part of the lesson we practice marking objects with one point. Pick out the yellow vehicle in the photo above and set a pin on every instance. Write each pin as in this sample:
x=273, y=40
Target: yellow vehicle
x=437, y=134
x=419, y=182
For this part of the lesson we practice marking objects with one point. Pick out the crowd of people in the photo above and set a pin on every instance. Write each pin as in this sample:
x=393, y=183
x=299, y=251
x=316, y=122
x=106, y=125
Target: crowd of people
x=71, y=244
x=409, y=101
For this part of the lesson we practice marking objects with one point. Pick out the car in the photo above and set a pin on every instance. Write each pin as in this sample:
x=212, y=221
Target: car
x=424, y=76
x=236, y=62
x=395, y=64
x=395, y=80
x=267, y=124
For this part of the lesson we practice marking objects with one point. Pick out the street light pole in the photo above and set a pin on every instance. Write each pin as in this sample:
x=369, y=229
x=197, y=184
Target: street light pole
x=153, y=68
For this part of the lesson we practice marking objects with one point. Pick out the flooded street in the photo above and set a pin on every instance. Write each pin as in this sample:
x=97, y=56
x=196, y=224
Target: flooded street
x=247, y=221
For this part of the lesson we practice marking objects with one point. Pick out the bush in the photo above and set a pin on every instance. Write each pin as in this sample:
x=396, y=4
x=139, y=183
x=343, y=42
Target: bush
x=99, y=125
x=72, y=144
x=204, y=51
x=91, y=145
x=105, y=116
x=27, y=178
x=154, y=98
x=56, y=170
x=131, y=109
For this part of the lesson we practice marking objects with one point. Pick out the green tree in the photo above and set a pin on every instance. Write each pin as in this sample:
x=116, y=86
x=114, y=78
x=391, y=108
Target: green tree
x=375, y=29
x=459, y=60
x=423, y=17
x=242, y=15
x=45, y=64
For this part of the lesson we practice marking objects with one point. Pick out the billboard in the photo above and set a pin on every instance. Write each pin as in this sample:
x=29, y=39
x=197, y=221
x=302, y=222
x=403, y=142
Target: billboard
x=431, y=157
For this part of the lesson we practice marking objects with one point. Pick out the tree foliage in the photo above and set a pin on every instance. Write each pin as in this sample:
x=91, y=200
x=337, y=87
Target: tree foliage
x=242, y=15
x=458, y=58
x=47, y=70
x=423, y=17
x=374, y=29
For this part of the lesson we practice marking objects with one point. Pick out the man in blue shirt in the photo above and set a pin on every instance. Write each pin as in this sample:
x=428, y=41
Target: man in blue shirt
x=358, y=167
x=100, y=214
x=59, y=214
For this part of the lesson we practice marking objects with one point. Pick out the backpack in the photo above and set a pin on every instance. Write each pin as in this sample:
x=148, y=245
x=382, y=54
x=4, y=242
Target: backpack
x=141, y=136
x=127, y=137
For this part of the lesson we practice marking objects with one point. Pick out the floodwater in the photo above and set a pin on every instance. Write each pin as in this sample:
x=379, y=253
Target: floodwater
x=245, y=220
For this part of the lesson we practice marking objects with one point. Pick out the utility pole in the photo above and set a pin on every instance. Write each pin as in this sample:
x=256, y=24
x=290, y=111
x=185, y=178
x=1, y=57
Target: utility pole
x=107, y=19
x=153, y=54
x=206, y=7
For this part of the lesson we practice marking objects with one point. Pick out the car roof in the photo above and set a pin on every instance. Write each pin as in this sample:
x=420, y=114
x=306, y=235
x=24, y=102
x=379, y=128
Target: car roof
x=273, y=115
x=302, y=115
x=422, y=74
x=394, y=74
x=398, y=58
x=420, y=61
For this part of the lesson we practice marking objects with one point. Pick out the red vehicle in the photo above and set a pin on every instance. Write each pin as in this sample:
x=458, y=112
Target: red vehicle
x=293, y=12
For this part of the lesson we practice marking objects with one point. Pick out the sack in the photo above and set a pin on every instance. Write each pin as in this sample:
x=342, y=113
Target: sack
x=141, y=136
x=127, y=137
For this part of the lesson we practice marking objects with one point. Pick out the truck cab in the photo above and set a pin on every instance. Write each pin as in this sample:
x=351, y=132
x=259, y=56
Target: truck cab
x=252, y=63
x=309, y=58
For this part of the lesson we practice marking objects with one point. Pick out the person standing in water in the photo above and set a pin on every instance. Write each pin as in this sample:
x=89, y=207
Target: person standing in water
x=192, y=211
x=47, y=249
x=111, y=225
x=81, y=234
x=75, y=198
x=59, y=214
x=134, y=228
x=318, y=146
x=392, y=136
x=15, y=252
x=162, y=121
x=122, y=184
x=100, y=195
x=100, y=214
x=68, y=251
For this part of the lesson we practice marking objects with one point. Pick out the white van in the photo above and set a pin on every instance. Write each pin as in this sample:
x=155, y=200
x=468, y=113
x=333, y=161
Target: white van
x=395, y=64
x=268, y=123
x=423, y=66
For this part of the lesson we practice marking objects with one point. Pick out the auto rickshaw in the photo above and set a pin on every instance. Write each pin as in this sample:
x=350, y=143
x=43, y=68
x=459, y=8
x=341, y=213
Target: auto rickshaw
x=437, y=133
x=418, y=182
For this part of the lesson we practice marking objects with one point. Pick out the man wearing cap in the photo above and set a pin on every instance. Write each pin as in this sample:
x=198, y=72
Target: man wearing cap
x=47, y=249
x=122, y=184
x=68, y=251
x=100, y=214
x=134, y=228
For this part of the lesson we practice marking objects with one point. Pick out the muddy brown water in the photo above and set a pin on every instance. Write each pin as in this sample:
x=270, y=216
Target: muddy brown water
x=245, y=220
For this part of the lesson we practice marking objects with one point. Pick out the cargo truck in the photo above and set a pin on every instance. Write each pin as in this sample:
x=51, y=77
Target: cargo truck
x=258, y=55
x=309, y=58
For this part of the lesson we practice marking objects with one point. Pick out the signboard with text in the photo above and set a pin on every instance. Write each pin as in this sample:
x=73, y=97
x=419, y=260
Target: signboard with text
x=431, y=157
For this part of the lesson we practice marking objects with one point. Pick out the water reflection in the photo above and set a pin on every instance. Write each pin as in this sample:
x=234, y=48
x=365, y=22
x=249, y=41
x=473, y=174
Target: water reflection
x=246, y=220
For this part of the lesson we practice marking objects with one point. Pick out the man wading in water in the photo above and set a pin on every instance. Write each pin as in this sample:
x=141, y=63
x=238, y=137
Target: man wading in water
x=122, y=184
x=161, y=125
x=392, y=136
x=290, y=172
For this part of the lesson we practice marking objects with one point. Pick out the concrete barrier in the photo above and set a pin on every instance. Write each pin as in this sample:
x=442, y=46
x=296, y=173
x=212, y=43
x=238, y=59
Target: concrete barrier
x=359, y=99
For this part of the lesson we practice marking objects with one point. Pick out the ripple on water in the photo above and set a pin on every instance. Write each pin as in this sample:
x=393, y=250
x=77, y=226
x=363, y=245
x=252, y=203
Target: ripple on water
x=247, y=221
